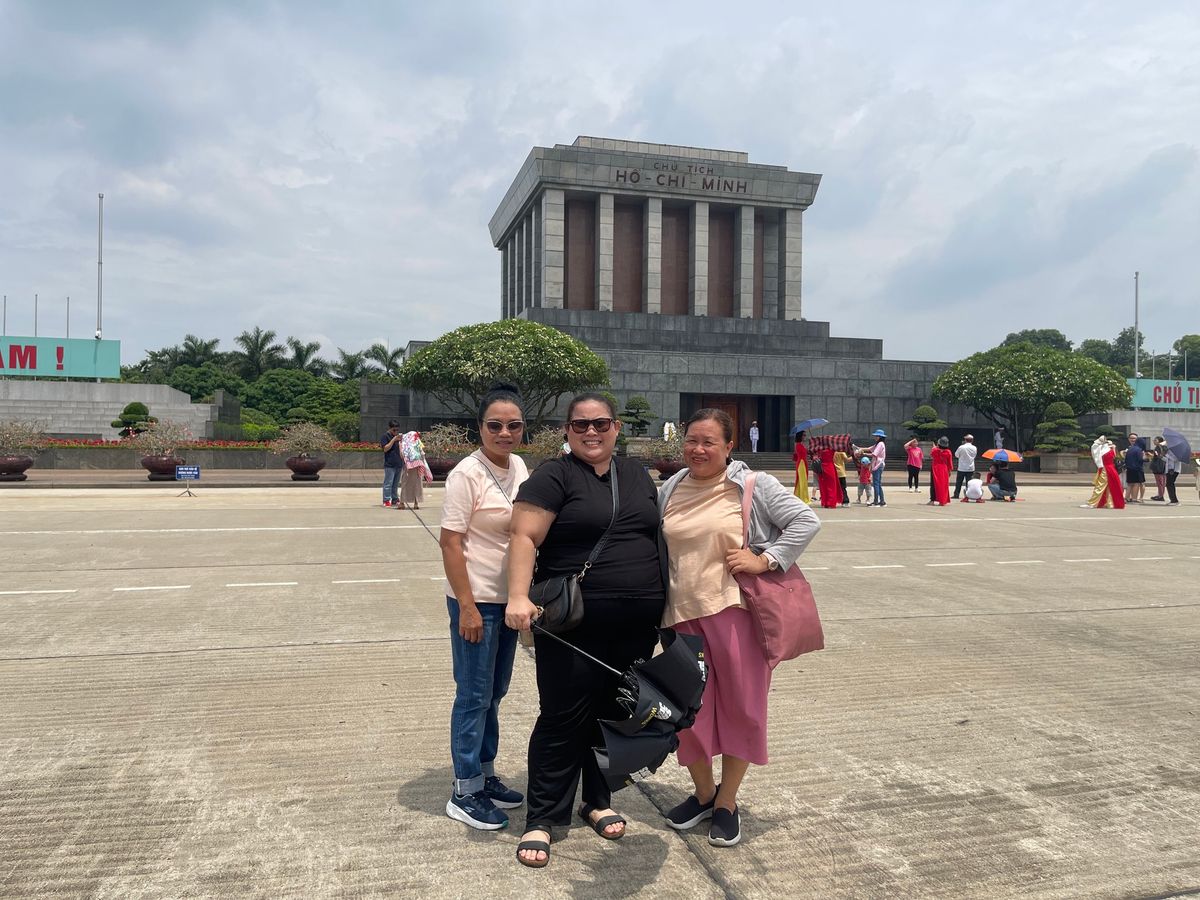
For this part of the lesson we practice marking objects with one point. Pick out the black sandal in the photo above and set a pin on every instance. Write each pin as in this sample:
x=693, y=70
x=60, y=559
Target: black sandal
x=598, y=826
x=535, y=863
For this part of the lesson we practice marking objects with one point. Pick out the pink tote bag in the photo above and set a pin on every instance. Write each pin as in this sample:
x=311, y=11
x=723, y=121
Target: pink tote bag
x=780, y=603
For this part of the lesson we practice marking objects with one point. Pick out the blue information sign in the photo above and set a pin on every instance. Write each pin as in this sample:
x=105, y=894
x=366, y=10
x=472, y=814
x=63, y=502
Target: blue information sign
x=187, y=473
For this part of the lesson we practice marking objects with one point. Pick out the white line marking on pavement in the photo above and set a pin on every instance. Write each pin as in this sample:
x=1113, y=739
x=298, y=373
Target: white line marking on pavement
x=262, y=583
x=1094, y=559
x=368, y=581
x=892, y=566
x=1020, y=562
x=1142, y=558
x=947, y=565
x=230, y=529
x=156, y=587
x=816, y=568
x=61, y=591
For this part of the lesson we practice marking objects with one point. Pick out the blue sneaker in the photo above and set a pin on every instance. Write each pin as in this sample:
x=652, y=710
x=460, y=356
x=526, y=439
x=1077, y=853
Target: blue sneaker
x=476, y=810
x=501, y=794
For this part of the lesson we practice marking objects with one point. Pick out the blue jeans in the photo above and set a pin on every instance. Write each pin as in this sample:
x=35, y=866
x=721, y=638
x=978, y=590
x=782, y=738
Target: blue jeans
x=481, y=675
x=877, y=484
x=391, y=484
x=999, y=493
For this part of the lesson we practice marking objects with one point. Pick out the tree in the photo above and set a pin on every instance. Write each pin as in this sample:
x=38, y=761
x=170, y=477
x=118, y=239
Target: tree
x=1187, y=348
x=1123, y=349
x=1040, y=337
x=304, y=356
x=1098, y=349
x=202, y=381
x=925, y=423
x=389, y=361
x=1059, y=430
x=134, y=419
x=277, y=391
x=259, y=352
x=196, y=352
x=1012, y=386
x=638, y=414
x=459, y=367
x=349, y=365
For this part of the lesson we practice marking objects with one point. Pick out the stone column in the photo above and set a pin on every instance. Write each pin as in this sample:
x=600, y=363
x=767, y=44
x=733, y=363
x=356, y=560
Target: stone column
x=527, y=258
x=535, y=266
x=771, y=309
x=553, y=256
x=505, y=296
x=698, y=272
x=510, y=254
x=743, y=263
x=652, y=252
x=790, y=242
x=604, y=253
x=519, y=251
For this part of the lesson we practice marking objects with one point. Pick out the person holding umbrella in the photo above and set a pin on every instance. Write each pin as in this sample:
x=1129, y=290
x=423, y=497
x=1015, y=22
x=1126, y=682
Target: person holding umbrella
x=570, y=506
x=702, y=524
x=1003, y=481
x=1179, y=451
x=800, y=458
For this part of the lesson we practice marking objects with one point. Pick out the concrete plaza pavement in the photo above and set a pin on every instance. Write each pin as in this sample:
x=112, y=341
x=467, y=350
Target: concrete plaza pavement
x=246, y=693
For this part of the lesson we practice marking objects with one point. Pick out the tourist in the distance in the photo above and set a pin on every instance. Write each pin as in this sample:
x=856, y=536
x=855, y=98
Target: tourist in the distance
x=827, y=478
x=916, y=458
x=840, y=458
x=393, y=463
x=702, y=525
x=1106, y=487
x=1135, y=470
x=941, y=459
x=561, y=513
x=878, y=454
x=475, y=521
x=965, y=455
x=416, y=470
x=1003, y=485
x=800, y=458
x=1174, y=470
x=1158, y=467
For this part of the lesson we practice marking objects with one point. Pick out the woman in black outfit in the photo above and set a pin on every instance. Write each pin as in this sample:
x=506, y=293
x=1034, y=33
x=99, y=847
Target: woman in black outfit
x=560, y=514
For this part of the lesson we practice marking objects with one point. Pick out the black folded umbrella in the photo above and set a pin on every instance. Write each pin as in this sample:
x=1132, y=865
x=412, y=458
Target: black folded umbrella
x=662, y=696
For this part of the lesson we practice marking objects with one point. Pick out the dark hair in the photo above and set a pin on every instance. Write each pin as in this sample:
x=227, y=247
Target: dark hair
x=712, y=415
x=799, y=436
x=392, y=423
x=499, y=393
x=594, y=396
x=943, y=442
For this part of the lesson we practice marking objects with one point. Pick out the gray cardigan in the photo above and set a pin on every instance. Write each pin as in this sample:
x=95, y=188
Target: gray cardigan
x=781, y=524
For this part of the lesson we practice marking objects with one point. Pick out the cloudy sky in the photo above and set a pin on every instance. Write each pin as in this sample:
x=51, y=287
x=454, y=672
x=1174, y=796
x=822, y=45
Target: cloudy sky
x=328, y=169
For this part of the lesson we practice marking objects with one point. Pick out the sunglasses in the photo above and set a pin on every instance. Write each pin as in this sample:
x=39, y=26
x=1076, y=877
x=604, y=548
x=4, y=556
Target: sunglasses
x=580, y=426
x=516, y=426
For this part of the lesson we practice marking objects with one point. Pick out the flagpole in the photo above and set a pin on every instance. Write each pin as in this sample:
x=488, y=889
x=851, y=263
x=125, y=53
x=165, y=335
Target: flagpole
x=1136, y=373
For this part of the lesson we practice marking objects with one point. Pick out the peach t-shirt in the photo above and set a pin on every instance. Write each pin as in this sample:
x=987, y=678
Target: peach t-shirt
x=702, y=523
x=479, y=507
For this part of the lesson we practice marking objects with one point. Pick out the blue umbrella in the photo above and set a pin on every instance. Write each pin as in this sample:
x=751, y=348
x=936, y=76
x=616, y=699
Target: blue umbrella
x=1178, y=445
x=808, y=425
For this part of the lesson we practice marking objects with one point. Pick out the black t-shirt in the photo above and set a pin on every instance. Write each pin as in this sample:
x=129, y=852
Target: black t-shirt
x=628, y=567
x=1007, y=479
x=392, y=457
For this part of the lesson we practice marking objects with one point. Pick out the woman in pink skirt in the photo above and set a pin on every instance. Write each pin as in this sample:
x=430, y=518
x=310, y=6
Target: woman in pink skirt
x=702, y=524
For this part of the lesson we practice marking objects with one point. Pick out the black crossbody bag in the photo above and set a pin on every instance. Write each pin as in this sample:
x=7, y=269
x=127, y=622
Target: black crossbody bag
x=560, y=599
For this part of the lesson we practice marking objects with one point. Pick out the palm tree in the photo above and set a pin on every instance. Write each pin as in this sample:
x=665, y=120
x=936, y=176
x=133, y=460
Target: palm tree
x=389, y=361
x=349, y=365
x=196, y=352
x=259, y=352
x=304, y=356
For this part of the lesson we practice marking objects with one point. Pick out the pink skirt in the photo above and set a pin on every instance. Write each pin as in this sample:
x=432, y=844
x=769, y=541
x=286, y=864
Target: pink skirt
x=733, y=717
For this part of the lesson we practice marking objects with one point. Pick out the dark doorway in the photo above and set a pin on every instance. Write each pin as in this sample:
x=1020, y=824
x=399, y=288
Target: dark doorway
x=773, y=415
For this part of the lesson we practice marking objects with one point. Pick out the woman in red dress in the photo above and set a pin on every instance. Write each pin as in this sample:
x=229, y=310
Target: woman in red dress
x=941, y=459
x=1106, y=488
x=827, y=478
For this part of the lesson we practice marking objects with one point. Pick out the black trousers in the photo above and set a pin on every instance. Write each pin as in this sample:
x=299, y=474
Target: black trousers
x=845, y=492
x=575, y=693
x=963, y=478
x=914, y=476
x=1171, y=477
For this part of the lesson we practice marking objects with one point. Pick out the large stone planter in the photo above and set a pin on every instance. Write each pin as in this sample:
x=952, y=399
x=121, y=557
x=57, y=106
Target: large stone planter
x=441, y=466
x=1060, y=463
x=305, y=468
x=12, y=468
x=161, y=468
